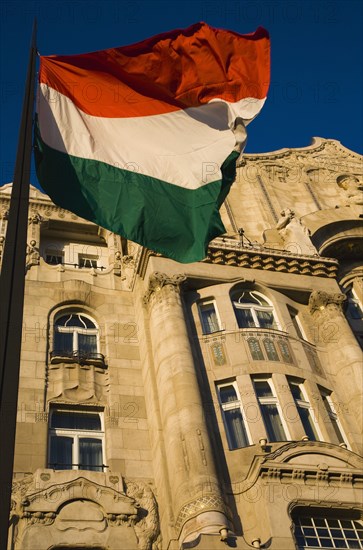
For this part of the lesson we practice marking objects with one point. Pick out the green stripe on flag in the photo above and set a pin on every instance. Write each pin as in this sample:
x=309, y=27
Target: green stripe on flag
x=166, y=218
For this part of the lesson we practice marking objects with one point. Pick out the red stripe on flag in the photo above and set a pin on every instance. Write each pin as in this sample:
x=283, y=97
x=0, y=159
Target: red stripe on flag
x=165, y=73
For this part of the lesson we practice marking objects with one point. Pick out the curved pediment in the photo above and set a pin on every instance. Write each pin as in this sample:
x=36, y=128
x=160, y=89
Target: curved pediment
x=315, y=454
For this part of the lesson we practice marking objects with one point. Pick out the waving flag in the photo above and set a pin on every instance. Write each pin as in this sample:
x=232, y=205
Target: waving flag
x=143, y=139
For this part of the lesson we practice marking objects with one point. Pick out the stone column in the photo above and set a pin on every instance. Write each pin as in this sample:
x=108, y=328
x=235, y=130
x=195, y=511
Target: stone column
x=196, y=498
x=344, y=356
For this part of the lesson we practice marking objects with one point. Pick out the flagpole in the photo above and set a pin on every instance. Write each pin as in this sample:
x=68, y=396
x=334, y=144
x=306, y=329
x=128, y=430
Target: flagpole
x=12, y=283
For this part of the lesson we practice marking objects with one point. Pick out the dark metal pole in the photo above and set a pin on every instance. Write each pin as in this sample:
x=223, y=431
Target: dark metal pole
x=12, y=283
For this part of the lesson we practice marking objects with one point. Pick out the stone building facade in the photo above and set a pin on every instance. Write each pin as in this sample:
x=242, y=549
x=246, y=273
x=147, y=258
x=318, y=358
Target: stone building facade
x=207, y=405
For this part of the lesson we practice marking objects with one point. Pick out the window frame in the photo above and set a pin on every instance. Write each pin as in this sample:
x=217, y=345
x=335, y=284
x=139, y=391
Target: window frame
x=207, y=302
x=76, y=434
x=270, y=400
x=254, y=309
x=296, y=323
x=306, y=405
x=333, y=415
x=75, y=331
x=88, y=257
x=305, y=526
x=233, y=405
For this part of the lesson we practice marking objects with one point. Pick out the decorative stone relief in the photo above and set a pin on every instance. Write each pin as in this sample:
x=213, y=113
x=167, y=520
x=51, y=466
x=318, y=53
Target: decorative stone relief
x=200, y=505
x=77, y=383
x=88, y=506
x=159, y=280
x=32, y=254
x=35, y=218
x=321, y=300
x=352, y=189
x=147, y=527
x=295, y=234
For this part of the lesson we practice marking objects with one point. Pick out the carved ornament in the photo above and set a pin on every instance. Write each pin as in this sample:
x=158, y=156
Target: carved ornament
x=207, y=503
x=158, y=281
x=41, y=499
x=320, y=300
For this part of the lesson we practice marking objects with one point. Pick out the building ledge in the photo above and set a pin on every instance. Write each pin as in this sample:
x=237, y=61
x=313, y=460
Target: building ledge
x=226, y=251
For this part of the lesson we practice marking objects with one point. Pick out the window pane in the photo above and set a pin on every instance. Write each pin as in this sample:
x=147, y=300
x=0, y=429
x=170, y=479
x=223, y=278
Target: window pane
x=244, y=318
x=209, y=318
x=263, y=388
x=75, y=421
x=295, y=323
x=338, y=437
x=273, y=423
x=270, y=350
x=227, y=394
x=90, y=454
x=60, y=456
x=296, y=392
x=255, y=349
x=54, y=259
x=63, y=341
x=265, y=319
x=87, y=343
x=308, y=423
x=237, y=435
x=87, y=261
x=87, y=322
x=250, y=298
x=74, y=321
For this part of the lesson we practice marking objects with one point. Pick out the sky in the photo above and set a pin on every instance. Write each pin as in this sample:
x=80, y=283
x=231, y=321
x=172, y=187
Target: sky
x=316, y=58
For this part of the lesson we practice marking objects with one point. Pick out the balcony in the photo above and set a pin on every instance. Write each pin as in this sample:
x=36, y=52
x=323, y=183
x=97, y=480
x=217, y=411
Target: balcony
x=80, y=357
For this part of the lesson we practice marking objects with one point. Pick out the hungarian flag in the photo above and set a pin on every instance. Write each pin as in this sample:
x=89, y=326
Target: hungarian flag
x=143, y=139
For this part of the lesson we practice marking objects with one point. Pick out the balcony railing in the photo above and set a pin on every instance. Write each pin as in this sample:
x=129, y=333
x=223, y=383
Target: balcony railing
x=78, y=356
x=69, y=466
x=77, y=265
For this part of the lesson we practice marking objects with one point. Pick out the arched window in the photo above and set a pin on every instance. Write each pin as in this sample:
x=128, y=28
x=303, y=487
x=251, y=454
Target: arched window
x=75, y=336
x=252, y=310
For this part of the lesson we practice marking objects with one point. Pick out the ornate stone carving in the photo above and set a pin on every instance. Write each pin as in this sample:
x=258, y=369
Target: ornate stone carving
x=73, y=500
x=321, y=300
x=294, y=233
x=352, y=188
x=158, y=280
x=147, y=527
x=35, y=218
x=32, y=254
x=200, y=505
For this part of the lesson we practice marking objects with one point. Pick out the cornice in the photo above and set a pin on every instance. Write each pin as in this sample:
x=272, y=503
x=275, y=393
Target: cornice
x=317, y=145
x=224, y=251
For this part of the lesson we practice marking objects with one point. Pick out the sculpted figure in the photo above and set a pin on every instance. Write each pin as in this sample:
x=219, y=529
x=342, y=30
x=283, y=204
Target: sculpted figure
x=295, y=234
x=352, y=187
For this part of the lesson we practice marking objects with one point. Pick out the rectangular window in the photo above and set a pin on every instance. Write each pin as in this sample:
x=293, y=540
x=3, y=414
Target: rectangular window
x=232, y=416
x=76, y=440
x=87, y=261
x=270, y=409
x=296, y=323
x=332, y=417
x=209, y=317
x=54, y=257
x=327, y=529
x=305, y=410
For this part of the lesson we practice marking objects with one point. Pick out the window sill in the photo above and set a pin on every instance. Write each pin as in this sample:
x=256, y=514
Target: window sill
x=96, y=359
